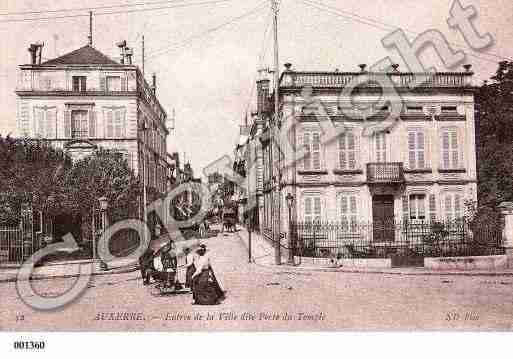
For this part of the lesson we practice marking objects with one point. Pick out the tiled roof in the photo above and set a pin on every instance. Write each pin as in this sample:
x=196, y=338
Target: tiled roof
x=86, y=55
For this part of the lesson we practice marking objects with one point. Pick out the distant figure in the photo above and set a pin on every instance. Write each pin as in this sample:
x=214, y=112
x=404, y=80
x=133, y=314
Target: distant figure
x=205, y=287
x=146, y=265
x=189, y=264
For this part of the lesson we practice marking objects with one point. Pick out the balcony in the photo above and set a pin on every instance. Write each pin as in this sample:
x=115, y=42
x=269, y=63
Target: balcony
x=385, y=173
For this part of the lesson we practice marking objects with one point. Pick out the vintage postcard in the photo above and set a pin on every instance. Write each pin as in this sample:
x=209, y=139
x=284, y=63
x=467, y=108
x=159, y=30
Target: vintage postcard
x=236, y=165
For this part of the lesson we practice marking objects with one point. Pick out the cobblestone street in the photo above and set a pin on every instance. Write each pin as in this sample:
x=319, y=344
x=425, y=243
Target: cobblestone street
x=269, y=298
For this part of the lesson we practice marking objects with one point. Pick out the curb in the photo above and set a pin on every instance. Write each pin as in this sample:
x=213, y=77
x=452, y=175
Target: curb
x=117, y=270
x=387, y=271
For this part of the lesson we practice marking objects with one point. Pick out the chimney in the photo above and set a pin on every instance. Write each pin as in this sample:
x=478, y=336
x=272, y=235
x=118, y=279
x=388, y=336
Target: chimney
x=262, y=92
x=129, y=53
x=467, y=67
x=288, y=66
x=36, y=53
x=122, y=47
x=154, y=83
x=395, y=67
x=33, y=53
x=362, y=67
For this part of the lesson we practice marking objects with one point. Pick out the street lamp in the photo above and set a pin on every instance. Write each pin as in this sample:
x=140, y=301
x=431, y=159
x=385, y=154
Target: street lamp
x=290, y=202
x=104, y=204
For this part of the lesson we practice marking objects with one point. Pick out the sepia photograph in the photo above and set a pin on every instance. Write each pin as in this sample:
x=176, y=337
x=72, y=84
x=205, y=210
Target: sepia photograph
x=245, y=166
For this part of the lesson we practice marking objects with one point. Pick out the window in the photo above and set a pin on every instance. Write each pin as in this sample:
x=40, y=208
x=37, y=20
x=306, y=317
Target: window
x=349, y=212
x=347, y=151
x=312, y=208
x=113, y=83
x=416, y=149
x=417, y=206
x=79, y=83
x=44, y=122
x=114, y=122
x=380, y=147
x=453, y=206
x=450, y=152
x=312, y=149
x=79, y=124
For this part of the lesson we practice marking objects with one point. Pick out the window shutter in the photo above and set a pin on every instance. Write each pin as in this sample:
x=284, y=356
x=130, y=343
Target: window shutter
x=316, y=149
x=421, y=146
x=38, y=122
x=432, y=208
x=351, y=146
x=123, y=83
x=306, y=148
x=67, y=124
x=405, y=209
x=454, y=148
x=123, y=122
x=445, y=150
x=411, y=150
x=92, y=123
x=457, y=206
x=317, y=208
x=308, y=209
x=109, y=129
x=51, y=117
x=103, y=83
x=342, y=151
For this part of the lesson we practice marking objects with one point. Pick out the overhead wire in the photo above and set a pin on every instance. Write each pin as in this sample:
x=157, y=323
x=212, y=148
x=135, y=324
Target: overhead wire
x=387, y=27
x=188, y=40
x=211, y=2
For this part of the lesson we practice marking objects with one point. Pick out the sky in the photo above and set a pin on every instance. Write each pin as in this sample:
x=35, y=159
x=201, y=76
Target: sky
x=205, y=53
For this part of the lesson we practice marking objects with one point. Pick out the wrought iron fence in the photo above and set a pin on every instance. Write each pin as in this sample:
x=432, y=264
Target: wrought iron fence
x=388, y=239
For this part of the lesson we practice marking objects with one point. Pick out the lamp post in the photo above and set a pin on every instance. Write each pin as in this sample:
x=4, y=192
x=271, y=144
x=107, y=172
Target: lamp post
x=290, y=202
x=104, y=204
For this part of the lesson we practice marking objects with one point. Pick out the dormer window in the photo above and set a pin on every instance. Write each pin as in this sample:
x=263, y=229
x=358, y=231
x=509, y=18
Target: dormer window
x=79, y=84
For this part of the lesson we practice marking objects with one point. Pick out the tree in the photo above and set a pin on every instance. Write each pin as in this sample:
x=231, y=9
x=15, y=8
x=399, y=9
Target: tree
x=31, y=172
x=494, y=138
x=105, y=173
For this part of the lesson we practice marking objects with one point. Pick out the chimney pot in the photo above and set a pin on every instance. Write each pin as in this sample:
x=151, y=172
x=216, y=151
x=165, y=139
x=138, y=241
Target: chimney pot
x=467, y=67
x=288, y=66
x=362, y=67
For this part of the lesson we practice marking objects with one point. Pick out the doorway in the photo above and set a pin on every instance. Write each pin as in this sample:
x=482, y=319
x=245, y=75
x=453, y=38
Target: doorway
x=383, y=226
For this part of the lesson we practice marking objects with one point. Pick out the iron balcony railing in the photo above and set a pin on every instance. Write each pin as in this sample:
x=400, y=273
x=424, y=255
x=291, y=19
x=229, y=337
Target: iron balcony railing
x=386, y=172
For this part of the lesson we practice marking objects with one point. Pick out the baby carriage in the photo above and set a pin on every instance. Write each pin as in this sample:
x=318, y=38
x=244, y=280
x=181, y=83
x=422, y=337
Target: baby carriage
x=164, y=269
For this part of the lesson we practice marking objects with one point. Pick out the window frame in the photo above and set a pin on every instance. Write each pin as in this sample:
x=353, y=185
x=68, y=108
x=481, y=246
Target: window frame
x=81, y=83
x=414, y=208
x=416, y=150
x=453, y=153
x=309, y=154
x=346, y=152
x=82, y=121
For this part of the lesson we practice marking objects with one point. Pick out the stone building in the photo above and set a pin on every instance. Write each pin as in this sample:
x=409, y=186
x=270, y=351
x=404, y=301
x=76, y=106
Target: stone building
x=415, y=162
x=84, y=100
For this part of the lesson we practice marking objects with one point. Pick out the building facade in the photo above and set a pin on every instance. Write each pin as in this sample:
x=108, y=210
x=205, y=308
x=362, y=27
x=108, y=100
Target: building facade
x=417, y=164
x=84, y=100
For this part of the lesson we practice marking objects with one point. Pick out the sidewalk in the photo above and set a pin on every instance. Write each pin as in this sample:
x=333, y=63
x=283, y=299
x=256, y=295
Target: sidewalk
x=263, y=254
x=73, y=268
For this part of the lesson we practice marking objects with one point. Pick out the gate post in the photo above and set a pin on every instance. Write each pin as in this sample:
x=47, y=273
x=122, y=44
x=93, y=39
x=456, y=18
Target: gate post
x=507, y=231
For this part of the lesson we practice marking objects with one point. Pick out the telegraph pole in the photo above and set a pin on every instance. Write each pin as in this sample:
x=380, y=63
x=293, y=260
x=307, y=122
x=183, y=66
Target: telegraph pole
x=274, y=127
x=143, y=59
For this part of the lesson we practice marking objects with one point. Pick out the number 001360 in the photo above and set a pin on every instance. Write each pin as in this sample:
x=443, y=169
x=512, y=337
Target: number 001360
x=29, y=345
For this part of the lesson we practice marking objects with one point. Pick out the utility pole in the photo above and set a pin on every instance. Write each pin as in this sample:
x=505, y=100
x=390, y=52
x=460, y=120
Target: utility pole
x=274, y=126
x=143, y=57
x=90, y=37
